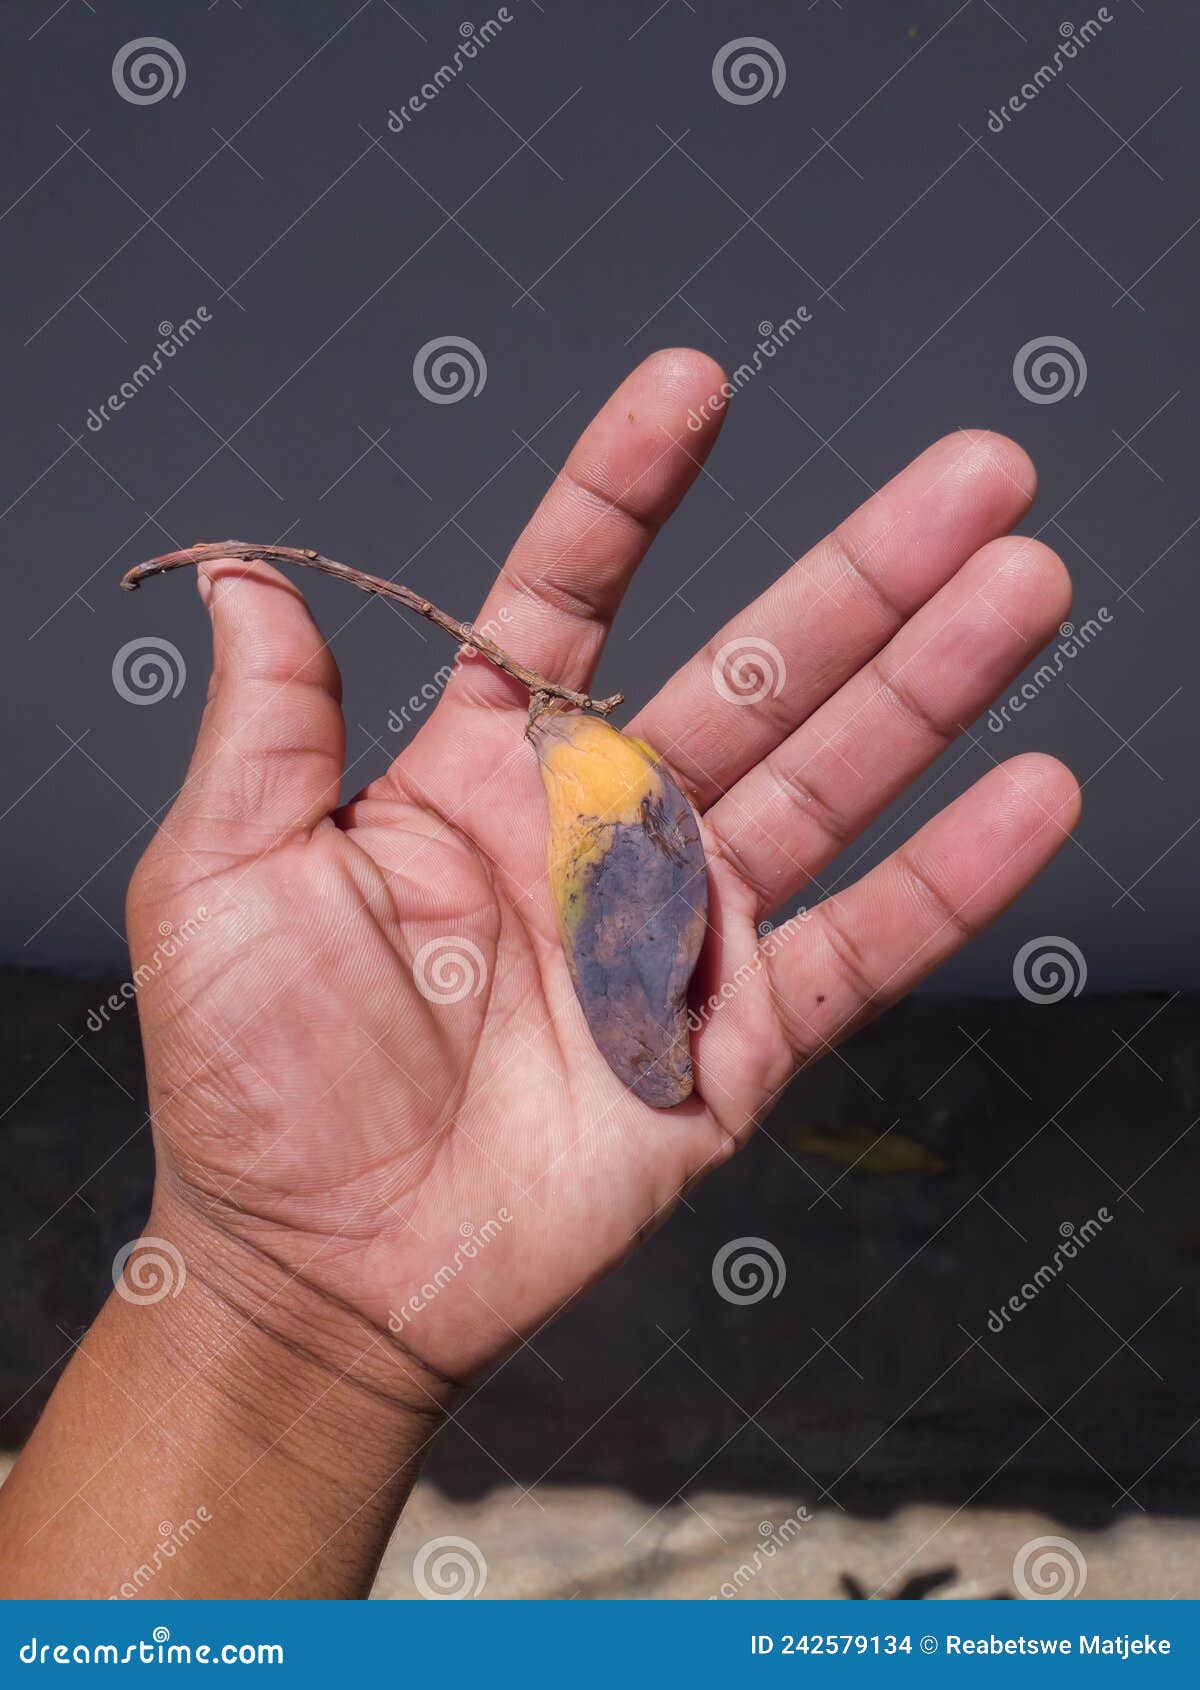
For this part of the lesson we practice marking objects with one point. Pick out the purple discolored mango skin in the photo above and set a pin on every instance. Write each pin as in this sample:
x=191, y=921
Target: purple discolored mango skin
x=630, y=891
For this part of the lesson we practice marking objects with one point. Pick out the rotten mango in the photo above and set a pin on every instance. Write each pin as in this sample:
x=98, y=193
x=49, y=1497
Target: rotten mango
x=630, y=893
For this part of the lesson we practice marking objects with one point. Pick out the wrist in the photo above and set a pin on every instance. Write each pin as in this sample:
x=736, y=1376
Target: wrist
x=293, y=1410
x=256, y=1294
x=222, y=1430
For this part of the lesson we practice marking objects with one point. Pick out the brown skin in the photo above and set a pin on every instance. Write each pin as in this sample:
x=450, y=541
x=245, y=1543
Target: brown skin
x=326, y=1131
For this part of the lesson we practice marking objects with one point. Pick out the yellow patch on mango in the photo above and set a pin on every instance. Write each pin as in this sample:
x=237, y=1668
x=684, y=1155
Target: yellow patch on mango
x=596, y=779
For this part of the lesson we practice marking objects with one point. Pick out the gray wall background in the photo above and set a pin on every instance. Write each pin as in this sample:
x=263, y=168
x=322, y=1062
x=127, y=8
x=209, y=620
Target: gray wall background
x=579, y=196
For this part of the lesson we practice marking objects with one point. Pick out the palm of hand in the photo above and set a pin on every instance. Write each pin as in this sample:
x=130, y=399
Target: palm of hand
x=394, y=1076
x=367, y=1058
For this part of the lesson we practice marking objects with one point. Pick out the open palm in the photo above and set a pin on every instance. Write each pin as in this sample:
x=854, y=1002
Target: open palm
x=365, y=1055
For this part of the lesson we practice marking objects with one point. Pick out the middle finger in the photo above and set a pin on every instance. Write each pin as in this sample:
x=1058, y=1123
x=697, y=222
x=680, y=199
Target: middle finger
x=831, y=612
x=812, y=796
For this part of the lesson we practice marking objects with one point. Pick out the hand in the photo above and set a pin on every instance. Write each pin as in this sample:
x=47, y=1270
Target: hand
x=367, y=1066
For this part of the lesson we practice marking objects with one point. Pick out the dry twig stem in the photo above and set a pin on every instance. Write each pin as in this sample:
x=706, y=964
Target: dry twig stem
x=541, y=690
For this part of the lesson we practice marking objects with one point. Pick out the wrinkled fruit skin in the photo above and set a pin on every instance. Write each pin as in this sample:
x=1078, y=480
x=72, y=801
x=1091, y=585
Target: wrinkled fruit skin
x=630, y=892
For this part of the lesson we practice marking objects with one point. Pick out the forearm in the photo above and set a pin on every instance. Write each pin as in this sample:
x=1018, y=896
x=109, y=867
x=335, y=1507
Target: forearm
x=244, y=1438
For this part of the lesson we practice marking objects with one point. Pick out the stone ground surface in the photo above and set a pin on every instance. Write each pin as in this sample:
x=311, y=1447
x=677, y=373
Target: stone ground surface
x=909, y=1186
x=601, y=1543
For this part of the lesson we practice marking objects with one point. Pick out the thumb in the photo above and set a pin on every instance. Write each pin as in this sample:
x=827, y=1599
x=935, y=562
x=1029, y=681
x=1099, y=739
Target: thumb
x=269, y=755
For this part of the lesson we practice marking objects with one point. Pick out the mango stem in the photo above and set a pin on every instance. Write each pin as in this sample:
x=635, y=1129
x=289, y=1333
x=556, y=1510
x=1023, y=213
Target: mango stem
x=541, y=690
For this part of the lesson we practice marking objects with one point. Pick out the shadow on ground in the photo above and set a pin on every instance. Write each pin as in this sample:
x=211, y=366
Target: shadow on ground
x=872, y=1379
